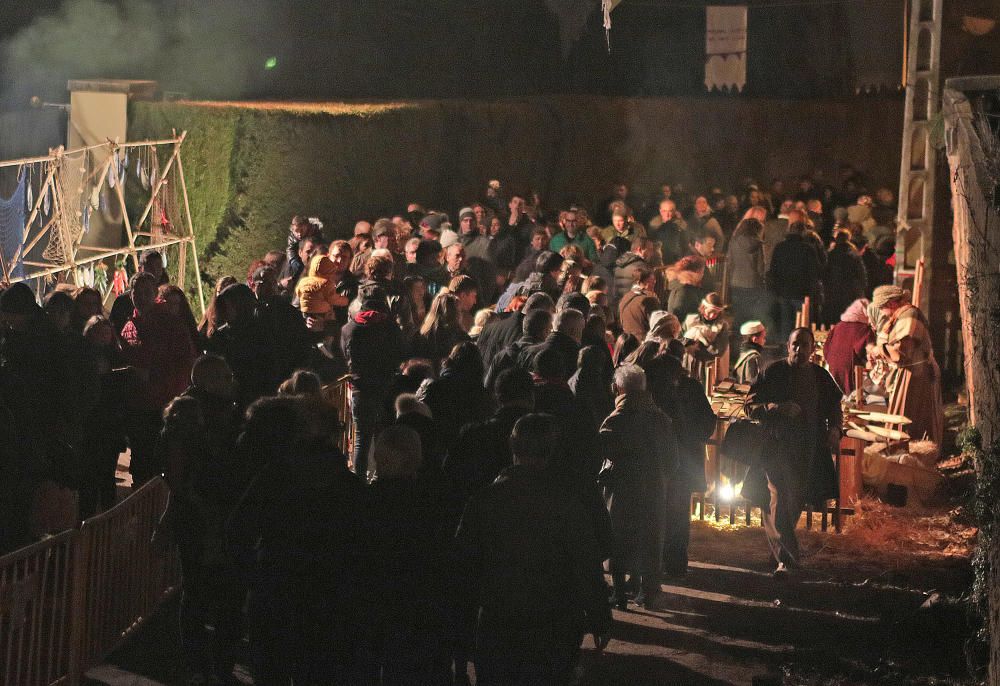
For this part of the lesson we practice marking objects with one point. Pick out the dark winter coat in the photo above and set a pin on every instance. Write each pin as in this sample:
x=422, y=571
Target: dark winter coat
x=844, y=281
x=745, y=260
x=508, y=358
x=249, y=349
x=817, y=394
x=624, y=267
x=531, y=582
x=578, y=453
x=567, y=348
x=373, y=347
x=683, y=399
x=640, y=442
x=285, y=327
x=795, y=269
x=455, y=400
x=482, y=451
x=498, y=335
x=685, y=298
x=408, y=574
x=307, y=575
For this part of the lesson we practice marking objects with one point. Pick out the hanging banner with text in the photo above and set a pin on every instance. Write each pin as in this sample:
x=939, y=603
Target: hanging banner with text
x=726, y=47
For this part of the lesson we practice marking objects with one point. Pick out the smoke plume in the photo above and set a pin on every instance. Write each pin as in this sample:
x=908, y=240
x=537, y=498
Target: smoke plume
x=202, y=48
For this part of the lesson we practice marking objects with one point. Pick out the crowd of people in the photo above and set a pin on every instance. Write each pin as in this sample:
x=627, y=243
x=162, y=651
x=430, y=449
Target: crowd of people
x=527, y=408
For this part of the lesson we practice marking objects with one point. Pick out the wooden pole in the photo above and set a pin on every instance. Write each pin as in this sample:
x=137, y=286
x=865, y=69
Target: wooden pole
x=806, y=314
x=190, y=227
x=977, y=253
x=119, y=191
x=918, y=283
x=162, y=180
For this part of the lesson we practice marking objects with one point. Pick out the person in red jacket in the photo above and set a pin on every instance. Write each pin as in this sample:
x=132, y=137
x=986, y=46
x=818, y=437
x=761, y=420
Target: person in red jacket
x=845, y=347
x=158, y=345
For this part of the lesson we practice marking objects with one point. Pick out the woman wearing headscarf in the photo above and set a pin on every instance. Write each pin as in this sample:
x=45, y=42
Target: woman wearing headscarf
x=846, y=345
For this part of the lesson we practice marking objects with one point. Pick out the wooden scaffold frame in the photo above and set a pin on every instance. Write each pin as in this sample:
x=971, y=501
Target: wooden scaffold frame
x=72, y=254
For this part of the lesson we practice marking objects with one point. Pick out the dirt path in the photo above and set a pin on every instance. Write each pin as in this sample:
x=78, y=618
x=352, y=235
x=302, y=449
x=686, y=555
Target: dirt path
x=841, y=620
x=847, y=618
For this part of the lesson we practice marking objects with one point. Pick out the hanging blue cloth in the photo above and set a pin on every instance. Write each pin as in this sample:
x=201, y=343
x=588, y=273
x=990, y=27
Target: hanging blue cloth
x=12, y=214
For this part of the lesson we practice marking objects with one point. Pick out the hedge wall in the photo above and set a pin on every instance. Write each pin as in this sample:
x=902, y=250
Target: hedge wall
x=250, y=166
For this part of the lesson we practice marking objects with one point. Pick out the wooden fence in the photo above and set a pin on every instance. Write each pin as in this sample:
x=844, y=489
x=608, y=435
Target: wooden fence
x=68, y=601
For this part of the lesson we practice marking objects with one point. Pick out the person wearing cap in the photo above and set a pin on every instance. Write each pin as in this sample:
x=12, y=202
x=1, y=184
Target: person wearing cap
x=478, y=259
x=750, y=362
x=571, y=235
x=903, y=342
x=639, y=303
x=476, y=244
x=435, y=227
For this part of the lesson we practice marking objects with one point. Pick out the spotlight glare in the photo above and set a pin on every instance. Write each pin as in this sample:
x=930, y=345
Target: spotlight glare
x=726, y=492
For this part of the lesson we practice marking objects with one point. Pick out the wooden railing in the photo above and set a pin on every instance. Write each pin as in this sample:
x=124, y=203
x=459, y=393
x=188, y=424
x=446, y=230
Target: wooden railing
x=67, y=601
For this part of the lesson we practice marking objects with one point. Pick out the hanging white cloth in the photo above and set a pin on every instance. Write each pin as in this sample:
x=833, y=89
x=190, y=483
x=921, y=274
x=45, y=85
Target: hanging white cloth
x=725, y=47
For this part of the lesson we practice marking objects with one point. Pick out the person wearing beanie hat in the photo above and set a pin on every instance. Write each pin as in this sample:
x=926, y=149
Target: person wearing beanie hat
x=750, y=362
x=476, y=245
x=439, y=229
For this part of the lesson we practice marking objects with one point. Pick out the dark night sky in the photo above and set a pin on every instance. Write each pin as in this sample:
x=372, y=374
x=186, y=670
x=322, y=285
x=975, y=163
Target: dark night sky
x=441, y=48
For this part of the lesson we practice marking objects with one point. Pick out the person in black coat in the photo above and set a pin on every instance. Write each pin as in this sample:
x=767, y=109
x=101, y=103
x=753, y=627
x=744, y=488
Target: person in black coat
x=457, y=396
x=794, y=274
x=503, y=331
x=537, y=325
x=639, y=441
x=283, y=324
x=530, y=577
x=373, y=347
x=482, y=450
x=682, y=399
x=408, y=548
x=245, y=344
x=806, y=426
x=564, y=339
x=591, y=386
x=306, y=601
x=844, y=279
